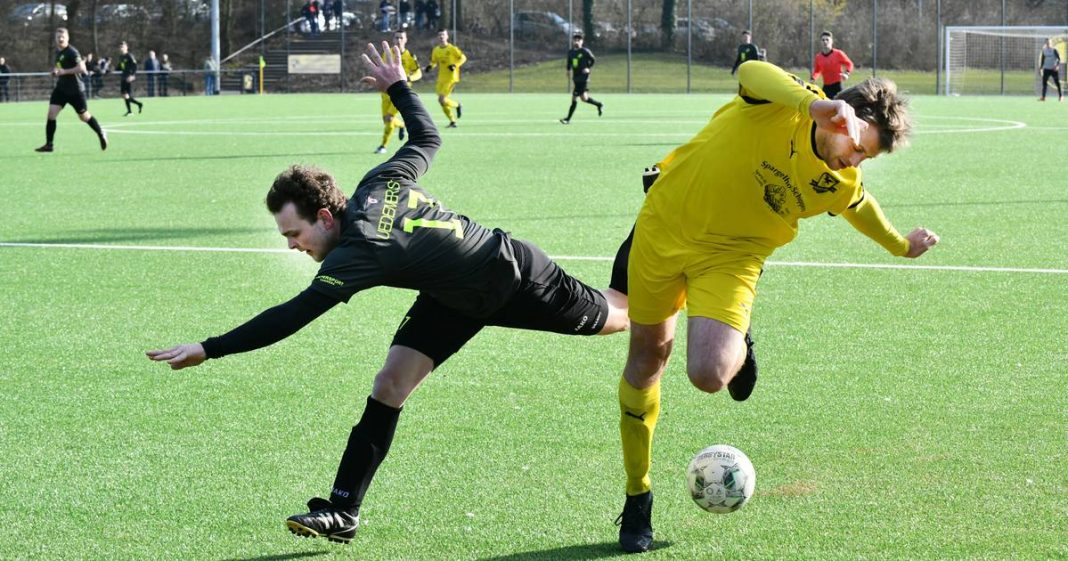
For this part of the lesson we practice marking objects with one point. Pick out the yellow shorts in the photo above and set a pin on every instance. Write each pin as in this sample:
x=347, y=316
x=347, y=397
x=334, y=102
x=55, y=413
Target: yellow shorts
x=445, y=88
x=664, y=275
x=388, y=107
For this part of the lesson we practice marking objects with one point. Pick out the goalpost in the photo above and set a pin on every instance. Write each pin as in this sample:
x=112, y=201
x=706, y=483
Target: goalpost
x=999, y=60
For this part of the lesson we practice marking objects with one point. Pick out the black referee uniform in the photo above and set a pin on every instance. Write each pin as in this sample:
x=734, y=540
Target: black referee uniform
x=70, y=90
x=128, y=67
x=579, y=62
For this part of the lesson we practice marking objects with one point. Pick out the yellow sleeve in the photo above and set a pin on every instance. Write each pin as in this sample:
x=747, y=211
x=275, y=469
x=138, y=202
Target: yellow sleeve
x=765, y=81
x=411, y=67
x=461, y=58
x=868, y=218
x=434, y=57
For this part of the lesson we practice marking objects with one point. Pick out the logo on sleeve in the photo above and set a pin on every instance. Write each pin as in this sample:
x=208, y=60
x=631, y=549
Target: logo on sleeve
x=327, y=279
x=825, y=183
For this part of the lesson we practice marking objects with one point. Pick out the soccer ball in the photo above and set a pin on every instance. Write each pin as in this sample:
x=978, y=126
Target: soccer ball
x=721, y=479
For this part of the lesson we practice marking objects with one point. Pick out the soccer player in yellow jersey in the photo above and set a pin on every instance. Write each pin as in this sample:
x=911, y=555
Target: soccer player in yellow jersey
x=389, y=112
x=448, y=58
x=724, y=201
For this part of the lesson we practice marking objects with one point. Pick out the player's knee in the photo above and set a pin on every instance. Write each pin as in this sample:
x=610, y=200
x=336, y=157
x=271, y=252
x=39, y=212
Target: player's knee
x=390, y=387
x=649, y=359
x=711, y=376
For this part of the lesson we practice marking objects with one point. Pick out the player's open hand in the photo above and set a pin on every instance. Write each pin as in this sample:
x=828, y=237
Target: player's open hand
x=920, y=240
x=181, y=356
x=385, y=69
x=838, y=116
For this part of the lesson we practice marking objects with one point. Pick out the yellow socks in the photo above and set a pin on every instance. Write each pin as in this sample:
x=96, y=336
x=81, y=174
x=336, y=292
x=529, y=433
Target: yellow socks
x=388, y=132
x=639, y=410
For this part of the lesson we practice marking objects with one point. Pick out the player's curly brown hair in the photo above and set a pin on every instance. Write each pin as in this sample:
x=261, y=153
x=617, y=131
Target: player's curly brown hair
x=309, y=189
x=876, y=101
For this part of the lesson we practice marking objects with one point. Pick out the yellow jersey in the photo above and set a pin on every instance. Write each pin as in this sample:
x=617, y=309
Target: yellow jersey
x=443, y=58
x=746, y=179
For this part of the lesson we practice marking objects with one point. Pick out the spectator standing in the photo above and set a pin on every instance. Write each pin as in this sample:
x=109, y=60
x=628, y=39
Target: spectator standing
x=151, y=73
x=385, y=9
x=103, y=66
x=405, y=9
x=87, y=78
x=829, y=63
x=433, y=14
x=339, y=14
x=164, y=74
x=420, y=14
x=210, y=68
x=5, y=95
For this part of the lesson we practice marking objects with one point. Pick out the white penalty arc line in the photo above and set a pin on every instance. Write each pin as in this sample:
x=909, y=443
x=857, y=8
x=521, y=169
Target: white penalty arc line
x=956, y=268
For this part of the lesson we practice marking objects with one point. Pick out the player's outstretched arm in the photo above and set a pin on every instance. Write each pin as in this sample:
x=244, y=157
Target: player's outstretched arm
x=180, y=357
x=268, y=328
x=387, y=75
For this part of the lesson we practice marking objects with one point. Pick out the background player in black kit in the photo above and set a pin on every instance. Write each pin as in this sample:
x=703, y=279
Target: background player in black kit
x=69, y=89
x=393, y=233
x=579, y=62
x=128, y=67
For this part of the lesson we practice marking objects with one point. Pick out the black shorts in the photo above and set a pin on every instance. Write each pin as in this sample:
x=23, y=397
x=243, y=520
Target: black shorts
x=831, y=90
x=76, y=100
x=581, y=87
x=548, y=299
x=125, y=87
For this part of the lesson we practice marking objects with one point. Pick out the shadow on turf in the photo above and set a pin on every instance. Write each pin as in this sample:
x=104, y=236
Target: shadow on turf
x=282, y=557
x=140, y=234
x=572, y=552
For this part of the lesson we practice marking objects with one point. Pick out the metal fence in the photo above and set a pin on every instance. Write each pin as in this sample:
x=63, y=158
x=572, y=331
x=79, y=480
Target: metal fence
x=520, y=45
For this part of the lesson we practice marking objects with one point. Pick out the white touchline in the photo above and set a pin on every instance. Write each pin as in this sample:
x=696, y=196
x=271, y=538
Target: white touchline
x=191, y=248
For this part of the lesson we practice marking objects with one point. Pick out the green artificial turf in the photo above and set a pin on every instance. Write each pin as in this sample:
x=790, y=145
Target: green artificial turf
x=901, y=413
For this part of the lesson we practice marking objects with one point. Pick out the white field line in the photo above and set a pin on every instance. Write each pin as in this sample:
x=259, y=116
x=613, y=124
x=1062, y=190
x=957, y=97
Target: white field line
x=968, y=269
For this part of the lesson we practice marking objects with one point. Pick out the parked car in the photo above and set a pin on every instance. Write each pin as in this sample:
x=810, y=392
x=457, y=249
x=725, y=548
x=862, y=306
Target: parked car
x=703, y=28
x=542, y=24
x=109, y=13
x=36, y=13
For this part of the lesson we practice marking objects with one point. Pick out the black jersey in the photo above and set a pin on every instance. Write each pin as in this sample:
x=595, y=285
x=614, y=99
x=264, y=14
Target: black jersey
x=66, y=59
x=579, y=60
x=746, y=52
x=127, y=65
x=395, y=234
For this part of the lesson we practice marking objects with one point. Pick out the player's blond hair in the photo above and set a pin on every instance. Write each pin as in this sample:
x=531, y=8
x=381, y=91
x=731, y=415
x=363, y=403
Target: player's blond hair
x=877, y=102
x=309, y=189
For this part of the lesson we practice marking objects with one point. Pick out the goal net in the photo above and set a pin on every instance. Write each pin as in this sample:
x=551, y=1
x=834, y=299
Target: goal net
x=999, y=60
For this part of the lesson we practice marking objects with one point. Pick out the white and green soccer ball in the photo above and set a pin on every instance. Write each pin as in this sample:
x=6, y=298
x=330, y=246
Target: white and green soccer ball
x=721, y=479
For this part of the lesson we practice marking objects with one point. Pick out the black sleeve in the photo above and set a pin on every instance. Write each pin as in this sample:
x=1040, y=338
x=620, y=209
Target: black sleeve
x=593, y=60
x=737, y=61
x=271, y=326
x=413, y=159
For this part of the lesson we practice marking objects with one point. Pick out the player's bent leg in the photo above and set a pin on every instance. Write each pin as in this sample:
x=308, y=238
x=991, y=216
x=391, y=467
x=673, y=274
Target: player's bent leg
x=714, y=353
x=404, y=370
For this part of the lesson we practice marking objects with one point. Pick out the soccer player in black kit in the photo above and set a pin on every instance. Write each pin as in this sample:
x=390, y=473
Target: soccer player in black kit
x=69, y=89
x=128, y=67
x=391, y=232
x=579, y=62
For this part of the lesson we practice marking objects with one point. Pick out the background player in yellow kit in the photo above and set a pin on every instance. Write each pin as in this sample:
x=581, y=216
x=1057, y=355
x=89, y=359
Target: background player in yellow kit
x=389, y=112
x=778, y=152
x=448, y=58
